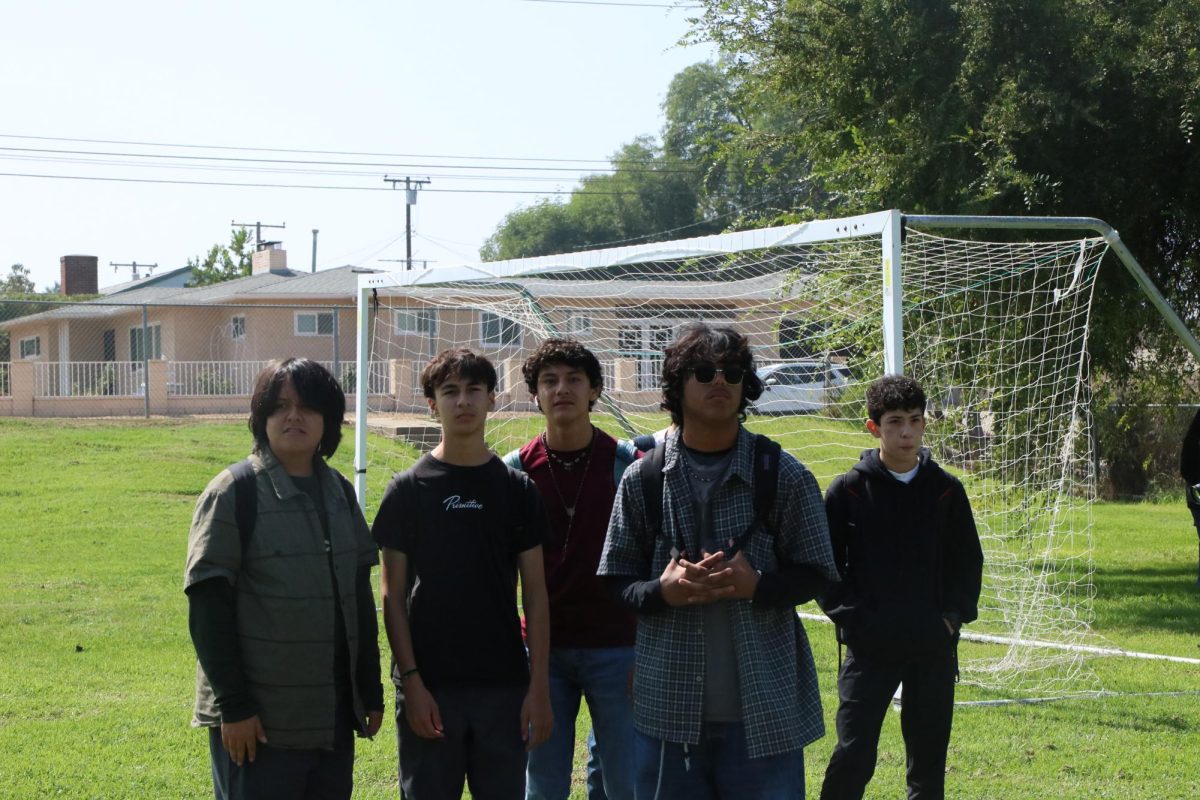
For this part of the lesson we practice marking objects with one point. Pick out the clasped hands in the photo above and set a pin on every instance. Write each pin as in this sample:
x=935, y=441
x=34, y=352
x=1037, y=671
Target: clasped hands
x=713, y=578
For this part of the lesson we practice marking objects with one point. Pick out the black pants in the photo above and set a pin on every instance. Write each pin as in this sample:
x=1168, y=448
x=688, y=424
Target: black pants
x=279, y=774
x=482, y=745
x=865, y=689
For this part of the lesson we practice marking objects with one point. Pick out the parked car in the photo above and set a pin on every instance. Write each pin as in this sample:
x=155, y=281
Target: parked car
x=796, y=387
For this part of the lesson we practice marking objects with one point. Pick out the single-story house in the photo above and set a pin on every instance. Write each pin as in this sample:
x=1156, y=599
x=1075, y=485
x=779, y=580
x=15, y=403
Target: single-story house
x=173, y=349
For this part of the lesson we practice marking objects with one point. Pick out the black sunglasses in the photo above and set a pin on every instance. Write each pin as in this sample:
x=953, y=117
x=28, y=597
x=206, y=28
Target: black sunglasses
x=705, y=373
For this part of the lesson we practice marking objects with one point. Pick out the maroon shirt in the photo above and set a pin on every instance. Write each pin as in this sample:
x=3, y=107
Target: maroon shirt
x=582, y=613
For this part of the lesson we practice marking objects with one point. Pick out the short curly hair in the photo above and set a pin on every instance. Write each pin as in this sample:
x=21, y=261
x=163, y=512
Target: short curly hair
x=893, y=393
x=696, y=344
x=466, y=364
x=317, y=389
x=562, y=351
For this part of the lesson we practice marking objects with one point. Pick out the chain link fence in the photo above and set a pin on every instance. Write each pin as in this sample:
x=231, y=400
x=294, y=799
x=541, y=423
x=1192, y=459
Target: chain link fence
x=100, y=358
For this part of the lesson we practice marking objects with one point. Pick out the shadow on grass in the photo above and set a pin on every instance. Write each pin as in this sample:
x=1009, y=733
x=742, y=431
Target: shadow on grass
x=1161, y=598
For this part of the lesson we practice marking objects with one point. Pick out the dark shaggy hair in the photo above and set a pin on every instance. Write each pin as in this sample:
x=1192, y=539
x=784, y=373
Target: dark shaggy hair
x=893, y=393
x=562, y=351
x=315, y=386
x=700, y=344
x=468, y=365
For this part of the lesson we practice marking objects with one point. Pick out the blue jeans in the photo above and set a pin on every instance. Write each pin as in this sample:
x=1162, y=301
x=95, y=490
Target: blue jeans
x=601, y=676
x=717, y=767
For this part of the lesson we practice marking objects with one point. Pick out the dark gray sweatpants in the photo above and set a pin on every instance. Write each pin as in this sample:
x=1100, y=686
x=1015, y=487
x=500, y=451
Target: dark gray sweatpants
x=482, y=745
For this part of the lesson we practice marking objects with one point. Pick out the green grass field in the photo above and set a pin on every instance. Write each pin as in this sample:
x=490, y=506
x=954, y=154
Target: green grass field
x=96, y=669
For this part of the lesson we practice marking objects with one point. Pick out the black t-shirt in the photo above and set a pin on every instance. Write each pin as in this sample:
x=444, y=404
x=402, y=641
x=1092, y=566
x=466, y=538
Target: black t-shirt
x=462, y=532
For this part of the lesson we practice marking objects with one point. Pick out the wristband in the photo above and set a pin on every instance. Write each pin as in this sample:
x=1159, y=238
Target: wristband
x=407, y=673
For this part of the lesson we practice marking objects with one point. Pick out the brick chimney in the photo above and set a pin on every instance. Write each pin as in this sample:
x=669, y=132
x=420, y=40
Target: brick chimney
x=269, y=259
x=79, y=275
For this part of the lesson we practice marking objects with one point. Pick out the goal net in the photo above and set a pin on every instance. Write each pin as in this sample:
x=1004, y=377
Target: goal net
x=995, y=331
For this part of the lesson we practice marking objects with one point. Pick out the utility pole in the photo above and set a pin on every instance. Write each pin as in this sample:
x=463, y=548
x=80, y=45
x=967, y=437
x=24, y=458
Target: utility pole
x=150, y=268
x=411, y=185
x=258, y=226
x=315, y=232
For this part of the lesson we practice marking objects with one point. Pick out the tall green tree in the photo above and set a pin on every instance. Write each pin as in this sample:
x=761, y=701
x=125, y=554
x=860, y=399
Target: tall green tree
x=1045, y=107
x=649, y=196
x=224, y=262
x=737, y=136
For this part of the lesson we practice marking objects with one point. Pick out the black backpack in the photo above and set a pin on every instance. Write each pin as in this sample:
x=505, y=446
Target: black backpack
x=766, y=485
x=245, y=494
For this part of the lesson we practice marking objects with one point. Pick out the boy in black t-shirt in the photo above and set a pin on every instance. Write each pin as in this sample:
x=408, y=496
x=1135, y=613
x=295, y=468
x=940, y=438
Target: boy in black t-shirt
x=455, y=529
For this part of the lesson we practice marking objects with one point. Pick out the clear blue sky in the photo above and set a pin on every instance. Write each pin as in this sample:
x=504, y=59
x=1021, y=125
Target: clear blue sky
x=443, y=90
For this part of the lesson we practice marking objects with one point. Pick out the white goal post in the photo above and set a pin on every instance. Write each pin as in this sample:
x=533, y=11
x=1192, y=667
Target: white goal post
x=995, y=330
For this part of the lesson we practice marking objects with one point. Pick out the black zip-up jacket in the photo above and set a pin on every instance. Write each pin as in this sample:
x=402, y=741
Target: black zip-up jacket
x=1189, y=464
x=908, y=555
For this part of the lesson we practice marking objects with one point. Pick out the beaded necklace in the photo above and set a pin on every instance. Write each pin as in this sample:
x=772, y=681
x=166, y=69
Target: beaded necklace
x=586, y=457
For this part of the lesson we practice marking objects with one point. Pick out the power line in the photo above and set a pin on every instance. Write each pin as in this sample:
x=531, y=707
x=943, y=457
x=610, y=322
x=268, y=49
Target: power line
x=283, y=171
x=308, y=152
x=180, y=182
x=243, y=160
x=287, y=171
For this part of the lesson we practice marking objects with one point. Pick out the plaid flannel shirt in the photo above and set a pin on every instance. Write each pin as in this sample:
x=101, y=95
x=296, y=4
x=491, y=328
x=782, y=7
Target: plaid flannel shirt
x=781, y=707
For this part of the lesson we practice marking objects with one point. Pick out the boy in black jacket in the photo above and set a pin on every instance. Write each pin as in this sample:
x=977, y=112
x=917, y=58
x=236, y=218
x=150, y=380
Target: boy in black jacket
x=1189, y=468
x=911, y=567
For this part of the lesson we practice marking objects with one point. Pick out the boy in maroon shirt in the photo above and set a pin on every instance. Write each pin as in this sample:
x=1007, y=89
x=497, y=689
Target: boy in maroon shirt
x=577, y=466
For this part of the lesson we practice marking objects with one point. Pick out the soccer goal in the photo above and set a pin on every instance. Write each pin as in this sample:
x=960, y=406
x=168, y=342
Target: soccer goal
x=995, y=330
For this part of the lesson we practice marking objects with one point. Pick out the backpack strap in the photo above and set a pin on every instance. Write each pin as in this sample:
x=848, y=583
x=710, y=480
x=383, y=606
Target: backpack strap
x=652, y=493
x=513, y=459
x=347, y=488
x=766, y=486
x=766, y=477
x=245, y=496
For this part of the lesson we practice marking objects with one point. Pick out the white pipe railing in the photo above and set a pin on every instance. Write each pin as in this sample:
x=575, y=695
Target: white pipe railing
x=184, y=378
x=87, y=379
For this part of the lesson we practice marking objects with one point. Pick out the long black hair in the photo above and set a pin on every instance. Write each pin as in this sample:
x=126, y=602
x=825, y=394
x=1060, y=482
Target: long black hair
x=317, y=389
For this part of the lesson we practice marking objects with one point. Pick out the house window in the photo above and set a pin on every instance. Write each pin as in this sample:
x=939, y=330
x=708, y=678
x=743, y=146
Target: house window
x=31, y=347
x=145, y=343
x=421, y=321
x=645, y=341
x=498, y=331
x=579, y=325
x=238, y=328
x=314, y=323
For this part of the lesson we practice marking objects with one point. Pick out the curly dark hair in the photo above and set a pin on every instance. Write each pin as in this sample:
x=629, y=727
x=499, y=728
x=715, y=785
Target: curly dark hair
x=562, y=351
x=699, y=344
x=466, y=364
x=317, y=389
x=893, y=393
